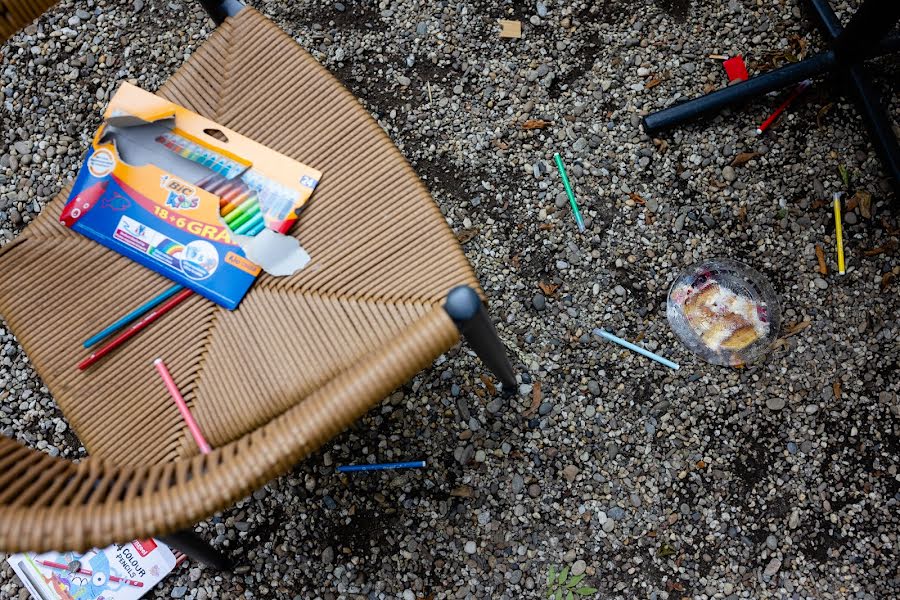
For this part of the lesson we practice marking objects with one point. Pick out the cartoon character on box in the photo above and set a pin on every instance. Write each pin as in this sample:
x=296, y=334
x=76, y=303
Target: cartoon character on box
x=91, y=586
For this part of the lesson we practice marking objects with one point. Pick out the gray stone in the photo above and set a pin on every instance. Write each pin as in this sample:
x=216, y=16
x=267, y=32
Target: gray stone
x=517, y=483
x=578, y=567
x=728, y=173
x=772, y=568
x=775, y=403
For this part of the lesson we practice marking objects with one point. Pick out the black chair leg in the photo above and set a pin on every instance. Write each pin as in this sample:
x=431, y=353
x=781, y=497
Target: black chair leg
x=219, y=10
x=196, y=548
x=471, y=317
x=866, y=35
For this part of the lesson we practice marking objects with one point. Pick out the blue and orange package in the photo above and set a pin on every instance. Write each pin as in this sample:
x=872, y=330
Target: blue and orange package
x=181, y=194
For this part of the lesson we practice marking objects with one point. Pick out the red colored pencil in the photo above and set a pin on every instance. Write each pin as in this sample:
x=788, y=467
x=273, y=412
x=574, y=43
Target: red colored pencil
x=135, y=329
x=182, y=406
x=54, y=565
x=801, y=87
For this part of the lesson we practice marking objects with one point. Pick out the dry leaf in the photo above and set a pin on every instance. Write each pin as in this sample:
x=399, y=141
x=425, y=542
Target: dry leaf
x=652, y=83
x=637, y=198
x=742, y=214
x=865, y=204
x=820, y=256
x=779, y=343
x=886, y=280
x=863, y=200
x=501, y=144
x=536, y=398
x=465, y=235
x=888, y=246
x=795, y=328
x=836, y=388
x=661, y=145
x=709, y=87
x=819, y=204
x=743, y=158
x=515, y=261
x=851, y=203
x=535, y=124
x=463, y=491
x=717, y=57
x=488, y=384
x=888, y=228
x=548, y=288
x=546, y=226
x=701, y=464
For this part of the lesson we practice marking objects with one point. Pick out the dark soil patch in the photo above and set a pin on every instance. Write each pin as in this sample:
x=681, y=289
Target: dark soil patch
x=679, y=9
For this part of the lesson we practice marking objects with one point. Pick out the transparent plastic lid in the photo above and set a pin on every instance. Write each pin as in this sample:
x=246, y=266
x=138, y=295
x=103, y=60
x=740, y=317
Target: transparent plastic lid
x=724, y=311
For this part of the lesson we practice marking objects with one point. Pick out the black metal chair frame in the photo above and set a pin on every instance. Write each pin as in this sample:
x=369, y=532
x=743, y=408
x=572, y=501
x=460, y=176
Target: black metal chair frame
x=866, y=36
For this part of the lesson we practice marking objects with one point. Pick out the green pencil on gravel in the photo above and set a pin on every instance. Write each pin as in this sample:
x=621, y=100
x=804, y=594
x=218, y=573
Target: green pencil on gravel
x=569, y=192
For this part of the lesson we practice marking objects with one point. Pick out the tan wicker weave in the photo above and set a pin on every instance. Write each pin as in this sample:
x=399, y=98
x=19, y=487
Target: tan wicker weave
x=15, y=14
x=299, y=361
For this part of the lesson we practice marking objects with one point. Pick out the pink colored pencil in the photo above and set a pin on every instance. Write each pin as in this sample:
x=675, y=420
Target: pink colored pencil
x=135, y=329
x=54, y=565
x=801, y=87
x=182, y=406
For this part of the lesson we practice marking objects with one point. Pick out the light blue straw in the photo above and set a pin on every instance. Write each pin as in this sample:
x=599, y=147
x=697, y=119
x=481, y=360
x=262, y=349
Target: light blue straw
x=382, y=467
x=133, y=315
x=608, y=336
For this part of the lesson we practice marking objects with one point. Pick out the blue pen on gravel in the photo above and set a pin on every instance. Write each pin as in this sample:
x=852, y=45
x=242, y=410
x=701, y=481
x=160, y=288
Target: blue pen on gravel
x=569, y=192
x=133, y=315
x=617, y=340
x=419, y=464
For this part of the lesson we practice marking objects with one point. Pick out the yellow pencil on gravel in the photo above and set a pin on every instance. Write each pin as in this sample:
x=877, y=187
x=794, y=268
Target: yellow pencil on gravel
x=839, y=232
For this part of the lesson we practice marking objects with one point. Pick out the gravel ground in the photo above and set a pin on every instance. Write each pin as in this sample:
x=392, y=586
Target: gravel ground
x=774, y=481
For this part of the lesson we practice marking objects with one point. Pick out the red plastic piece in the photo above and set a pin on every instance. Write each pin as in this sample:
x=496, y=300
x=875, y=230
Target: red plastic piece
x=736, y=69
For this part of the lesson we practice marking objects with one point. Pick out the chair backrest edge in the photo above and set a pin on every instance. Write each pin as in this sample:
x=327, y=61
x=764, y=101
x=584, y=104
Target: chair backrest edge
x=16, y=14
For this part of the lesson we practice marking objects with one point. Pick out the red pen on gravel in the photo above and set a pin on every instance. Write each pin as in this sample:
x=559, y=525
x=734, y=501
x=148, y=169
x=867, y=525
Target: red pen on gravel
x=135, y=329
x=801, y=87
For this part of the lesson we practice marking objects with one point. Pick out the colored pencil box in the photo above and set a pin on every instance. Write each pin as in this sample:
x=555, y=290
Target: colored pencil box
x=181, y=194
